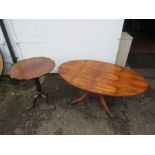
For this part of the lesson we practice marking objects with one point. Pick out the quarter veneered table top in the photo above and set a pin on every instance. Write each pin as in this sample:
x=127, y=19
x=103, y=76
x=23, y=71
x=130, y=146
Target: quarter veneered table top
x=103, y=78
x=31, y=68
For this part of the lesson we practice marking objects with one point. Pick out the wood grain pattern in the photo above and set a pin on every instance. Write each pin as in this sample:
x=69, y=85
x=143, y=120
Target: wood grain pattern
x=1, y=64
x=31, y=68
x=103, y=78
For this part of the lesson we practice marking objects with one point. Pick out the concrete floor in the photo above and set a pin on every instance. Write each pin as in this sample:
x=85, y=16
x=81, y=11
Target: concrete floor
x=133, y=115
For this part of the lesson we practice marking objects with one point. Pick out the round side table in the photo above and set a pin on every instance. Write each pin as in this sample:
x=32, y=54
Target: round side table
x=33, y=68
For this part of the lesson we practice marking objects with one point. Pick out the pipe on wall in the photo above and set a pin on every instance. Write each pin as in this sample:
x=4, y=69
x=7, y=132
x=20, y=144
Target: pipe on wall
x=14, y=58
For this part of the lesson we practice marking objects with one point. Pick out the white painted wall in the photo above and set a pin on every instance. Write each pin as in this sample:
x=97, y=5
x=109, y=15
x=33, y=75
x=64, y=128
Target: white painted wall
x=64, y=40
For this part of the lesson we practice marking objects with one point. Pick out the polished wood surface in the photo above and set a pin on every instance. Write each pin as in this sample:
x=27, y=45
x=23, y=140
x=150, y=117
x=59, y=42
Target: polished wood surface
x=1, y=64
x=31, y=68
x=102, y=78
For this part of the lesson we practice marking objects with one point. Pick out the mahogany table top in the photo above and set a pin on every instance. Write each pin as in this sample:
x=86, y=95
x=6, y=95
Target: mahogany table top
x=31, y=68
x=102, y=78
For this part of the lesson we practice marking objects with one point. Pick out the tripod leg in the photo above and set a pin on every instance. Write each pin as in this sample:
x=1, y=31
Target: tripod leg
x=45, y=97
x=32, y=104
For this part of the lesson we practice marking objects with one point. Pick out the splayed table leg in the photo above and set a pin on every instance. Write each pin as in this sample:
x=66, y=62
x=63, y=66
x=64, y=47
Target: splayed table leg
x=81, y=99
x=104, y=105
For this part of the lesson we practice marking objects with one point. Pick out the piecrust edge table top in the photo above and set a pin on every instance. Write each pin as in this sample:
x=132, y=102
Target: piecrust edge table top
x=31, y=68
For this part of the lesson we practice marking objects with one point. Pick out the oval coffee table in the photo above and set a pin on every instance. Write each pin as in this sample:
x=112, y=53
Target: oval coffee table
x=33, y=68
x=102, y=79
